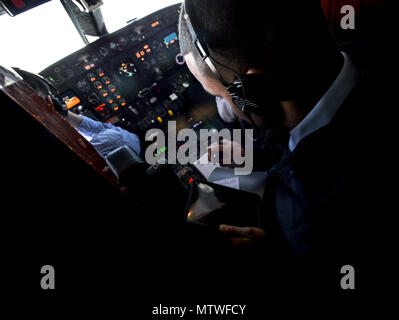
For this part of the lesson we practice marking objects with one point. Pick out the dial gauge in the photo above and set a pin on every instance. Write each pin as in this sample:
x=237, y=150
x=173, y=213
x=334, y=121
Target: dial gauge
x=127, y=69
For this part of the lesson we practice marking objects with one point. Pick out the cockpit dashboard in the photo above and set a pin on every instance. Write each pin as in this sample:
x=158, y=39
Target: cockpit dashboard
x=135, y=78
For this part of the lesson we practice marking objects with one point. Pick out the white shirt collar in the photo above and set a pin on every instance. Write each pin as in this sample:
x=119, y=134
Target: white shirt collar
x=326, y=108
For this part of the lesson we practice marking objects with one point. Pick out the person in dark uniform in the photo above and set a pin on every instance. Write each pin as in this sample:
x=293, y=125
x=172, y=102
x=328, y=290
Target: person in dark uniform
x=313, y=131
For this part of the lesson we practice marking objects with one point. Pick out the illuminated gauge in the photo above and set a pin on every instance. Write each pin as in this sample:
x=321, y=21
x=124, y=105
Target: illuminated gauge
x=100, y=72
x=106, y=80
x=170, y=40
x=111, y=88
x=83, y=85
x=100, y=107
x=93, y=98
x=104, y=93
x=127, y=69
x=147, y=48
x=115, y=107
x=91, y=77
x=122, y=102
x=98, y=85
x=109, y=100
x=103, y=51
x=117, y=95
x=156, y=23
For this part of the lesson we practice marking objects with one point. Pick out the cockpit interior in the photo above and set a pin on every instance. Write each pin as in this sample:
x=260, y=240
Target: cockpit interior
x=119, y=64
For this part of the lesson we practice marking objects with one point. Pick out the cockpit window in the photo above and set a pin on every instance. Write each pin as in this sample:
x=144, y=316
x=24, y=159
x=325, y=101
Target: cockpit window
x=117, y=13
x=43, y=35
x=37, y=38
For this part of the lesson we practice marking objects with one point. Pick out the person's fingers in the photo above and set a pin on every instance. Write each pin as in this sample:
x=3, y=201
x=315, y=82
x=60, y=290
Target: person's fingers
x=236, y=148
x=226, y=148
x=226, y=143
x=240, y=241
x=257, y=233
x=224, y=153
x=213, y=152
x=243, y=232
x=216, y=149
x=234, y=231
x=214, y=146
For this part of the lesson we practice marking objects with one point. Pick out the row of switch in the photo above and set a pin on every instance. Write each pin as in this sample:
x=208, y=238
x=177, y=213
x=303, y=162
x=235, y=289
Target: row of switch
x=112, y=99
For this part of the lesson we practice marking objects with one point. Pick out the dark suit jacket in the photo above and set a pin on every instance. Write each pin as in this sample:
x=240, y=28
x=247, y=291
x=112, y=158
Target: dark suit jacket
x=316, y=195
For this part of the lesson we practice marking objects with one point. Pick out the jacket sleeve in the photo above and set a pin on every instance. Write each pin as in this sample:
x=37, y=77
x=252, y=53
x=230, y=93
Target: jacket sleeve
x=91, y=128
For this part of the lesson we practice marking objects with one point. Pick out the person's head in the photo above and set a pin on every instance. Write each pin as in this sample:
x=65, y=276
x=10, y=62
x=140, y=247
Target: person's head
x=286, y=40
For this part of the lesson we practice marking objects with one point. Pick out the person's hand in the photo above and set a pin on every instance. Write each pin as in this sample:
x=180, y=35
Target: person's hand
x=239, y=236
x=227, y=151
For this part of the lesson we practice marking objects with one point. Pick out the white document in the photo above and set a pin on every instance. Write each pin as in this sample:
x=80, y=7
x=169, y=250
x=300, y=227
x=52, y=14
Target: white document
x=205, y=169
x=233, y=183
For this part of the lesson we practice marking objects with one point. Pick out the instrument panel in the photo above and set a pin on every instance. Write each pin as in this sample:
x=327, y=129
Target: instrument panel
x=135, y=78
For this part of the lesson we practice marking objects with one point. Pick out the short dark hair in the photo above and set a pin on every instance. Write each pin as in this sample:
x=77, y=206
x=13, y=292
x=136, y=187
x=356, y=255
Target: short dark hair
x=225, y=27
x=276, y=35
